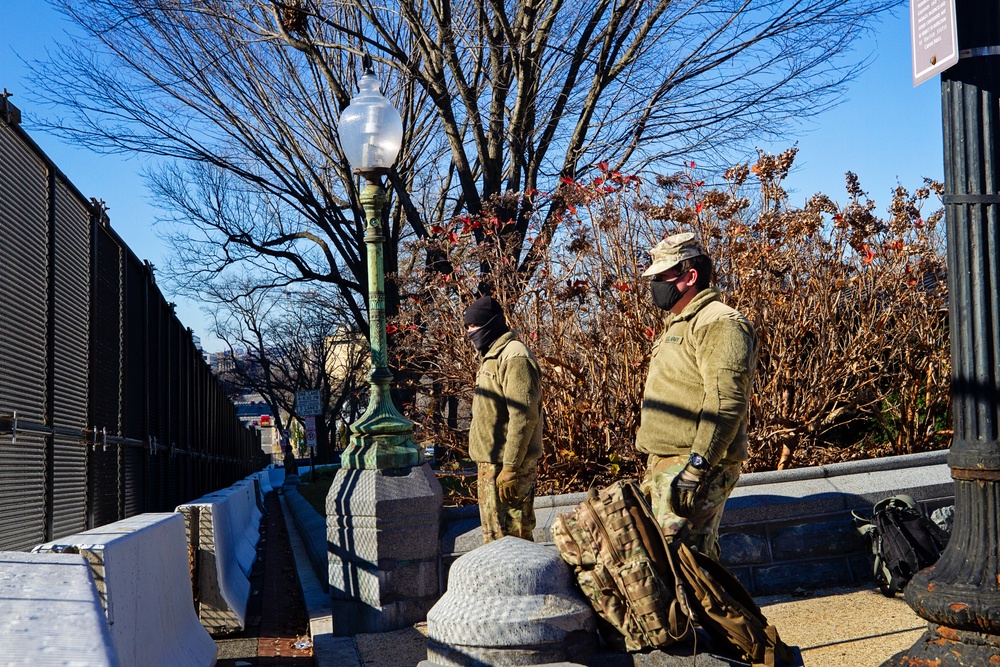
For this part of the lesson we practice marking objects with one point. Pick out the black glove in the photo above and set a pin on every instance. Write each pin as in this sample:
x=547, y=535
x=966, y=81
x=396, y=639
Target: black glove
x=684, y=489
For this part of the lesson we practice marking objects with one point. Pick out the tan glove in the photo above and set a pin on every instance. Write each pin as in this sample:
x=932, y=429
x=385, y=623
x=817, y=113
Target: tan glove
x=507, y=484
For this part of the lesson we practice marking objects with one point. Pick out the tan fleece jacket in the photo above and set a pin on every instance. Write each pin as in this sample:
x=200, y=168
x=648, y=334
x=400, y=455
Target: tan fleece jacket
x=506, y=407
x=698, y=387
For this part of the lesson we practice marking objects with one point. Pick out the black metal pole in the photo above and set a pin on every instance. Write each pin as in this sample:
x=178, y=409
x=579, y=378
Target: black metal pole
x=960, y=595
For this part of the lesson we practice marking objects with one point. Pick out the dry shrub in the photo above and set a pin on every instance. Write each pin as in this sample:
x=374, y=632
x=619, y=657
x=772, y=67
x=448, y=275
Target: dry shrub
x=850, y=309
x=851, y=312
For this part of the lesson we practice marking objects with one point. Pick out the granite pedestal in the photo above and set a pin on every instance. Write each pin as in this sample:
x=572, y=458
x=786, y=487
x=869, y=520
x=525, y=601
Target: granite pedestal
x=510, y=602
x=383, y=543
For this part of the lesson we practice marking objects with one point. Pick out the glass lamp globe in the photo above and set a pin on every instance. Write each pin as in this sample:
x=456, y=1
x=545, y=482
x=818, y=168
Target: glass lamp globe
x=371, y=131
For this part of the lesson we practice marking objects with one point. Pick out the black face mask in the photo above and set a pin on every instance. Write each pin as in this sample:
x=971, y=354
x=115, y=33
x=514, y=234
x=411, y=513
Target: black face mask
x=665, y=294
x=484, y=337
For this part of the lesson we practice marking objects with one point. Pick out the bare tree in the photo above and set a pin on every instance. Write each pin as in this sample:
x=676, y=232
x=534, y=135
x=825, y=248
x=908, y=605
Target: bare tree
x=498, y=98
x=292, y=341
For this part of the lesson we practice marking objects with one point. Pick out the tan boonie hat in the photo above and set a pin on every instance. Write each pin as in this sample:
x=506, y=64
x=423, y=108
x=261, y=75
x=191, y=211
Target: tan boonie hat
x=671, y=251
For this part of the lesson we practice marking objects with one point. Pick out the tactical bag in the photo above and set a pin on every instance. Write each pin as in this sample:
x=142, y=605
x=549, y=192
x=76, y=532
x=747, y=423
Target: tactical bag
x=649, y=593
x=621, y=564
x=902, y=540
x=723, y=607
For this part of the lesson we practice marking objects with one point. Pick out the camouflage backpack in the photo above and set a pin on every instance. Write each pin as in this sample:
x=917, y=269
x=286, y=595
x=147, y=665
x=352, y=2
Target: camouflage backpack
x=614, y=544
x=650, y=593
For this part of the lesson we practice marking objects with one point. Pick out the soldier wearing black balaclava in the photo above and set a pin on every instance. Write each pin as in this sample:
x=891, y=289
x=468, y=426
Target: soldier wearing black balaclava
x=505, y=436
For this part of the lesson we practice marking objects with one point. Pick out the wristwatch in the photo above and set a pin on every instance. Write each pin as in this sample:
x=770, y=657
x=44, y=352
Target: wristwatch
x=698, y=462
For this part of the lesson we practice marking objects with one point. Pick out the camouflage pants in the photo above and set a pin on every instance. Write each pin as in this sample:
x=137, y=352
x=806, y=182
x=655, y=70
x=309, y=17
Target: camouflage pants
x=702, y=529
x=500, y=519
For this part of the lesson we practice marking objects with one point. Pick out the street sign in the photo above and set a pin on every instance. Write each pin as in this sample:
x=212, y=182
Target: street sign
x=311, y=432
x=933, y=37
x=308, y=403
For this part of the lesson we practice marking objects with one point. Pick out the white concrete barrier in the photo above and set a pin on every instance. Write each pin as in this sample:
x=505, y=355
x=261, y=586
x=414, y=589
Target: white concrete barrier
x=50, y=613
x=140, y=566
x=223, y=529
x=265, y=482
x=260, y=495
x=245, y=520
x=277, y=477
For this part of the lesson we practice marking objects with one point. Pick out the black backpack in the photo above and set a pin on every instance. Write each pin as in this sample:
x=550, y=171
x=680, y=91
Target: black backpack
x=903, y=541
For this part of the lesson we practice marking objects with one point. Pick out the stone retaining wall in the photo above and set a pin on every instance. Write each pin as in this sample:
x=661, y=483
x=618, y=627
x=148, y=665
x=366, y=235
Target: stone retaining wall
x=793, y=529
x=782, y=530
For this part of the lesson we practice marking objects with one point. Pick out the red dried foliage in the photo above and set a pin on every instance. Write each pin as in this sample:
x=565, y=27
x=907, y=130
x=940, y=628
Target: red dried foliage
x=850, y=308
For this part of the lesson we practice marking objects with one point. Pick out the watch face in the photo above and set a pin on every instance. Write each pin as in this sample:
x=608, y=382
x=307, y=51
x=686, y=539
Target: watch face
x=697, y=461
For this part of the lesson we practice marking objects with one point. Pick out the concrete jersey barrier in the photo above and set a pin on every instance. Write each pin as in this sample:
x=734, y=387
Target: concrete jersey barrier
x=50, y=613
x=264, y=480
x=222, y=532
x=276, y=476
x=245, y=517
x=140, y=566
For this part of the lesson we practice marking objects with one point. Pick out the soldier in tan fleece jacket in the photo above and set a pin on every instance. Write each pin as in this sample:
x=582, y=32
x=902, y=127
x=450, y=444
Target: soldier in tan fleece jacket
x=505, y=436
x=694, y=407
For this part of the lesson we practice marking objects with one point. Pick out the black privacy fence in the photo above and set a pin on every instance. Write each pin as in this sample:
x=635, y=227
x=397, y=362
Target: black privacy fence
x=107, y=407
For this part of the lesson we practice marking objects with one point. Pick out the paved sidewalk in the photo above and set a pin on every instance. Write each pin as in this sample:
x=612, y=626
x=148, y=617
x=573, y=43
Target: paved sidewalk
x=841, y=627
x=844, y=627
x=277, y=631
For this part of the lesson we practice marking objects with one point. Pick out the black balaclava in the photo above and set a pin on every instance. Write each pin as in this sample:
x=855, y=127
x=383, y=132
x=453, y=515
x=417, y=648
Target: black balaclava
x=665, y=294
x=487, y=314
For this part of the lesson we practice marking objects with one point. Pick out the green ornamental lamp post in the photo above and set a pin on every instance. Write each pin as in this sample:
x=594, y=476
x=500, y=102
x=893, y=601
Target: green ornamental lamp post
x=371, y=133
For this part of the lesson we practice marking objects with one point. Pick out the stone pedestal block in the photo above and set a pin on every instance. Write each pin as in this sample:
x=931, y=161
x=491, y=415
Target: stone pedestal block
x=510, y=602
x=382, y=531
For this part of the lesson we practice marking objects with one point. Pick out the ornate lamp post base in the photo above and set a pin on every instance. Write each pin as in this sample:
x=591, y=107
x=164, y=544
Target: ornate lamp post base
x=381, y=437
x=379, y=448
x=942, y=646
x=959, y=595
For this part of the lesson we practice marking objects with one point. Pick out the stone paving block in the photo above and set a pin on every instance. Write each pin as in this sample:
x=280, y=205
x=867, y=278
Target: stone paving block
x=744, y=547
x=834, y=535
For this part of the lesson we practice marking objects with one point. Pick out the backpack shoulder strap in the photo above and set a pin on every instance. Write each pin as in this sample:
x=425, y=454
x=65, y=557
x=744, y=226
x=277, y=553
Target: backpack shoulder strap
x=937, y=533
x=662, y=557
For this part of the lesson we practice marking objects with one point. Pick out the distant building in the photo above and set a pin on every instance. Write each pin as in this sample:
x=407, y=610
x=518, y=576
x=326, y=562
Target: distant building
x=222, y=362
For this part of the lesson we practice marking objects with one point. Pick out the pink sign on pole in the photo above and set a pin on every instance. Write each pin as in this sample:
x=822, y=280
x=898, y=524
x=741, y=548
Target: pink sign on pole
x=310, y=431
x=933, y=38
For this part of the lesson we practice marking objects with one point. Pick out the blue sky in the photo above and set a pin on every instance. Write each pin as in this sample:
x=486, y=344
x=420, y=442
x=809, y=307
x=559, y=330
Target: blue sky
x=885, y=130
